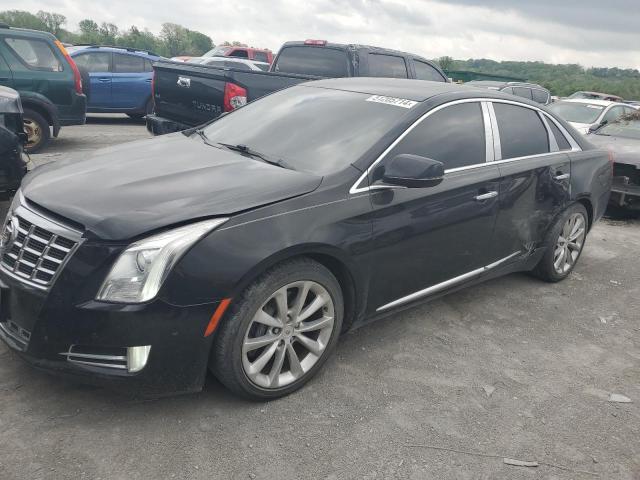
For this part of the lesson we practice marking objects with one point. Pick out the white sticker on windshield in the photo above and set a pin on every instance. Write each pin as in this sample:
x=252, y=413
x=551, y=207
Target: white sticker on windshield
x=398, y=102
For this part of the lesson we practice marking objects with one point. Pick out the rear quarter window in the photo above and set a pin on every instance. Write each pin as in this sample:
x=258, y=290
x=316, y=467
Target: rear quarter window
x=424, y=71
x=319, y=61
x=34, y=54
x=522, y=132
x=388, y=66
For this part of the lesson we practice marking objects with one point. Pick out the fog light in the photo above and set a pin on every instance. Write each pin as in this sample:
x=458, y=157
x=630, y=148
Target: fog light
x=137, y=358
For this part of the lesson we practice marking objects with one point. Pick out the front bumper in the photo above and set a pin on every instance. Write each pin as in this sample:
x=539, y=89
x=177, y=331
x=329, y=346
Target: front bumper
x=75, y=113
x=160, y=126
x=44, y=336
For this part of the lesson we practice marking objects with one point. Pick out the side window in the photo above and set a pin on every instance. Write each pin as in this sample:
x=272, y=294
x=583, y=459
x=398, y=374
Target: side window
x=561, y=140
x=522, y=132
x=237, y=65
x=454, y=136
x=522, y=92
x=97, y=62
x=239, y=54
x=261, y=57
x=127, y=63
x=387, y=66
x=540, y=96
x=613, y=114
x=424, y=71
x=35, y=54
x=148, y=65
x=508, y=90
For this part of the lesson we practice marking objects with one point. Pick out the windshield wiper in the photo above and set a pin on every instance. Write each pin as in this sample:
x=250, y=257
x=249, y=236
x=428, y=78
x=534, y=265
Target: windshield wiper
x=204, y=138
x=245, y=150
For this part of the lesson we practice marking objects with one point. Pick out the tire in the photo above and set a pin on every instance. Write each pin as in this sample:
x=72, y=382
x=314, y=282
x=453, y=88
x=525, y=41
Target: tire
x=234, y=360
x=560, y=257
x=148, y=109
x=37, y=129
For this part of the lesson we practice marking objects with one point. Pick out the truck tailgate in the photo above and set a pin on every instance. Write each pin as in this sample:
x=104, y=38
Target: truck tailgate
x=186, y=94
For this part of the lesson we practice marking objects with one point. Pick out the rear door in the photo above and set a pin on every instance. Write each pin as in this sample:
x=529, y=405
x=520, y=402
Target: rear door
x=535, y=173
x=428, y=239
x=98, y=66
x=131, y=81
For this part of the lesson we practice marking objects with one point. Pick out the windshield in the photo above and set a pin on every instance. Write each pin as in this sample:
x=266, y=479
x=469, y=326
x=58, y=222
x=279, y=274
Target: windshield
x=218, y=51
x=577, y=112
x=623, y=128
x=309, y=129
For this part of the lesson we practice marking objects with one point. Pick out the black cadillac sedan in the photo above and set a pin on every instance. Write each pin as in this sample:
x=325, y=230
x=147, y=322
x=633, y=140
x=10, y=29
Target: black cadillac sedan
x=248, y=245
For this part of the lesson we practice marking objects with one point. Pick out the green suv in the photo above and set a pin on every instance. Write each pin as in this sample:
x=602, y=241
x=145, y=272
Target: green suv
x=38, y=66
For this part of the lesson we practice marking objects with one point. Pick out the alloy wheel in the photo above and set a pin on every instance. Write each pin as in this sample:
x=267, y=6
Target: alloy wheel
x=569, y=244
x=33, y=131
x=288, y=334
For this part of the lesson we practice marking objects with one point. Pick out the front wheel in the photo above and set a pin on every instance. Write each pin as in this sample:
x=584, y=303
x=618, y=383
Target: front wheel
x=280, y=331
x=564, y=244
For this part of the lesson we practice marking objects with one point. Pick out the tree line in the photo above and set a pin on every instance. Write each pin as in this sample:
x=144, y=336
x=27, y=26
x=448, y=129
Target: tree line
x=561, y=80
x=173, y=39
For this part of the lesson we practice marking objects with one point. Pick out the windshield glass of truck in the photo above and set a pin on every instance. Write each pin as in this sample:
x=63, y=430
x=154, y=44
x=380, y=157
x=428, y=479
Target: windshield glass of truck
x=310, y=129
x=319, y=61
x=577, y=112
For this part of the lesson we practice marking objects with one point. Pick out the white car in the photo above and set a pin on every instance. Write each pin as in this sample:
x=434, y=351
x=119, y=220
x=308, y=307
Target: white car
x=585, y=114
x=228, y=62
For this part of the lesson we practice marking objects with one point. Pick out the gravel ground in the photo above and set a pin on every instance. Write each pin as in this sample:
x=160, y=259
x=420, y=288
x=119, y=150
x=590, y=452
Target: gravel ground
x=512, y=368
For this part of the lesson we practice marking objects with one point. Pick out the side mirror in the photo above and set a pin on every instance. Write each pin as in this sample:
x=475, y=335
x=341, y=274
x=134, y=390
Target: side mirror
x=597, y=126
x=413, y=171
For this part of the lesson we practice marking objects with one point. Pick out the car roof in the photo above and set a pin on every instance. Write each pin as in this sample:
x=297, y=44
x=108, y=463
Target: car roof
x=589, y=101
x=74, y=49
x=416, y=90
x=37, y=33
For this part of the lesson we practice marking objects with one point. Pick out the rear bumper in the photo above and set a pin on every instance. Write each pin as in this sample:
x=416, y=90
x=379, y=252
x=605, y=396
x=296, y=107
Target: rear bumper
x=160, y=126
x=43, y=336
x=624, y=193
x=74, y=114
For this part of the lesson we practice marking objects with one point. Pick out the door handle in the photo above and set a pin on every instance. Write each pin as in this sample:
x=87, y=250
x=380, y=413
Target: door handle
x=104, y=79
x=562, y=176
x=485, y=196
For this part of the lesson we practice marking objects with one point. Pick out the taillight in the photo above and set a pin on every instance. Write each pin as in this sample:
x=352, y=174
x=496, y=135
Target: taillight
x=234, y=96
x=153, y=87
x=76, y=73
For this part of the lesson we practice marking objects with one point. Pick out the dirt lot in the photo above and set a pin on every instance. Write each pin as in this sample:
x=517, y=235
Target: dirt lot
x=512, y=368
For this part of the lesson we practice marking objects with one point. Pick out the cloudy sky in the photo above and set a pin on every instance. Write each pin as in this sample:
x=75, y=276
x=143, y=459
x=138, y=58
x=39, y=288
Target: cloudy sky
x=589, y=32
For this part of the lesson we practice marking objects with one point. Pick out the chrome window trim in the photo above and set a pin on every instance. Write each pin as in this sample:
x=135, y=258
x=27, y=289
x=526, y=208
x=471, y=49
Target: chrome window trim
x=497, y=147
x=447, y=283
x=356, y=188
x=488, y=133
x=497, y=155
x=553, y=143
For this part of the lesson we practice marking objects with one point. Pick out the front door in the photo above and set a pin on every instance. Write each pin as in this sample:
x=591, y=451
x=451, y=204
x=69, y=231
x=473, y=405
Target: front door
x=429, y=239
x=535, y=177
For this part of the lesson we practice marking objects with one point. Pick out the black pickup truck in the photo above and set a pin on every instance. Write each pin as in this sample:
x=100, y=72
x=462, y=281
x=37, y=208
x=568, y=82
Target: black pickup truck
x=187, y=95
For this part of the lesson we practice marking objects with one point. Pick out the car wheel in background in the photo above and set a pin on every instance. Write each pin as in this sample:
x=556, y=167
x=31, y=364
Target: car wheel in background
x=148, y=110
x=564, y=244
x=279, y=331
x=37, y=129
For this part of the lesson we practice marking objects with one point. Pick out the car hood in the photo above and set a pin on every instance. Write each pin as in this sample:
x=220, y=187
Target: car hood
x=627, y=150
x=124, y=191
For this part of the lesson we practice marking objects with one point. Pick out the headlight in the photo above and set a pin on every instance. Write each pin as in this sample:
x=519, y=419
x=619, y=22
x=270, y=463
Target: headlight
x=141, y=269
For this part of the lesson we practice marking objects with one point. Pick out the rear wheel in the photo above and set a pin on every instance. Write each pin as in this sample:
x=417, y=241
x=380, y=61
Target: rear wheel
x=280, y=331
x=148, y=110
x=564, y=244
x=37, y=129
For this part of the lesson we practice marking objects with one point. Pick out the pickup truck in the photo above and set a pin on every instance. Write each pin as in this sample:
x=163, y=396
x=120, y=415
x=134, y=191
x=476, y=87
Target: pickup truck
x=187, y=95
